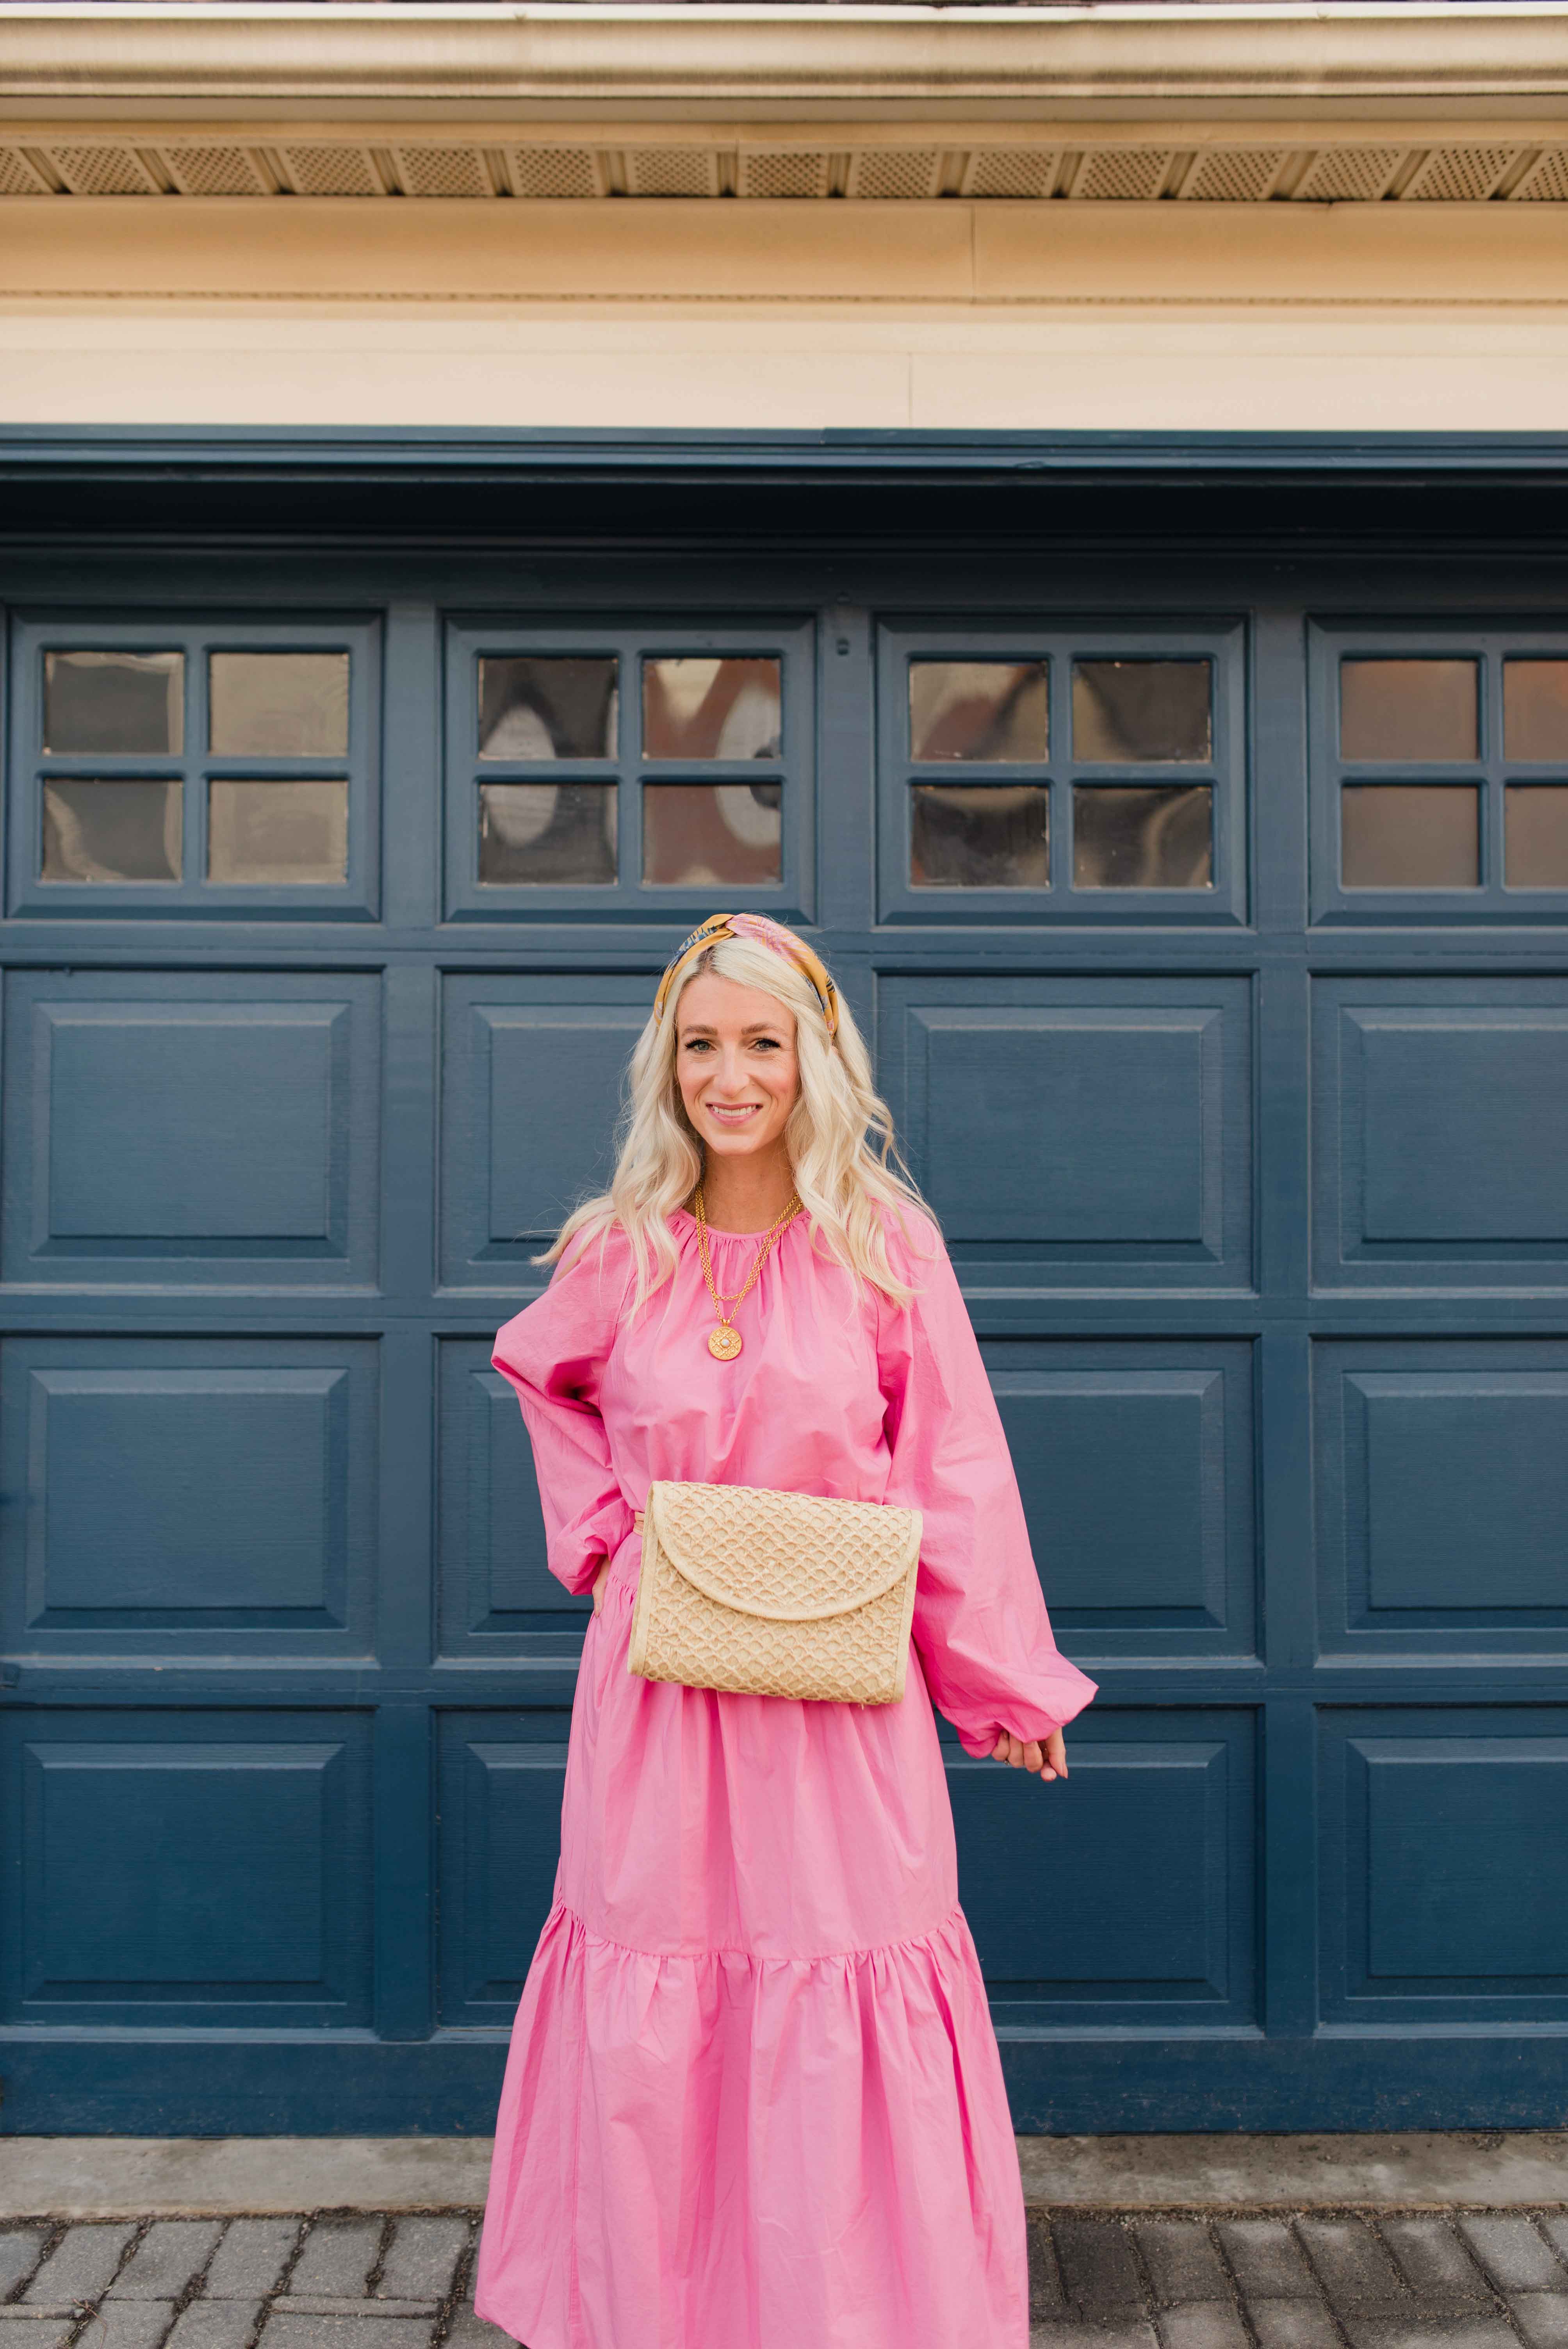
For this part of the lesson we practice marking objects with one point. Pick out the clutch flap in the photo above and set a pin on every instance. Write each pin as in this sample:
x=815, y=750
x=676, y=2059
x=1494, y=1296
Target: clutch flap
x=789, y=1558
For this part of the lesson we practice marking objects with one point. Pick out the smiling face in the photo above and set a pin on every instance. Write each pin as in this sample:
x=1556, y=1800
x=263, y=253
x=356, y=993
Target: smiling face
x=736, y=1065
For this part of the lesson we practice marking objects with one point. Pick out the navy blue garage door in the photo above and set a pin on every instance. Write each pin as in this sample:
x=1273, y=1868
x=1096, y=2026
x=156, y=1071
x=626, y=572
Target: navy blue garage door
x=1211, y=928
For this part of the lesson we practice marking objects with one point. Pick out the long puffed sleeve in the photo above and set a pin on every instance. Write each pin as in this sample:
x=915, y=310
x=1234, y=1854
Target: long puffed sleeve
x=980, y=1623
x=553, y=1352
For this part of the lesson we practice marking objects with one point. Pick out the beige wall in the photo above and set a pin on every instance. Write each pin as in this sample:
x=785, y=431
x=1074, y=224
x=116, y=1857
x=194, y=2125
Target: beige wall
x=1374, y=317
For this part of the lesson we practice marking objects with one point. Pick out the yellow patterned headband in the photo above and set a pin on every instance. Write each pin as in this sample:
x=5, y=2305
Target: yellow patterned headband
x=769, y=934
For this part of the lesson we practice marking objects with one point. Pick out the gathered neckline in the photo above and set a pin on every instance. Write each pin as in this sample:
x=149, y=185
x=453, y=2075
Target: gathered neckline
x=718, y=1231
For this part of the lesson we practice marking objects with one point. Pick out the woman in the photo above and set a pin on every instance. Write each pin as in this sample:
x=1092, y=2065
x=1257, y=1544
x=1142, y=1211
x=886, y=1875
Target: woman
x=754, y=2099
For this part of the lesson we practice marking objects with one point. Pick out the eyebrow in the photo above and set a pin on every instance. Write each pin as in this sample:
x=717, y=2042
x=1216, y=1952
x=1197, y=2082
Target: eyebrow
x=757, y=1028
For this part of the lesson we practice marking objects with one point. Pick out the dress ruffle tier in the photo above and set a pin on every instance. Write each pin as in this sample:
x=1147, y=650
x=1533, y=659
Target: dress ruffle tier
x=647, y=2163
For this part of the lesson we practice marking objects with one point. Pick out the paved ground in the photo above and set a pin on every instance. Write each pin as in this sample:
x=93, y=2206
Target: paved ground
x=261, y=2176
x=1311, y=2280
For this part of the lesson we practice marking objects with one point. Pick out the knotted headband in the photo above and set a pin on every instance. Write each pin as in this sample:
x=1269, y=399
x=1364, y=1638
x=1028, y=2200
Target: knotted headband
x=766, y=933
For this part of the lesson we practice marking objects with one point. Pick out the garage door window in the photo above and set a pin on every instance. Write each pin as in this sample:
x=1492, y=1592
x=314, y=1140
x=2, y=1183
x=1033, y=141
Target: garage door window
x=646, y=769
x=1442, y=778
x=200, y=774
x=1069, y=780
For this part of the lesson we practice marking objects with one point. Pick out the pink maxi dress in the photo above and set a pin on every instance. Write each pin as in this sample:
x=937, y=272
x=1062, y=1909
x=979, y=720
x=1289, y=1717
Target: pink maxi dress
x=754, y=2099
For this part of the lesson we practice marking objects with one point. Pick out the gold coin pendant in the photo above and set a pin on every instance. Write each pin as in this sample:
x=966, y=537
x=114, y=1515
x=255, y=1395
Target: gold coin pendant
x=724, y=1343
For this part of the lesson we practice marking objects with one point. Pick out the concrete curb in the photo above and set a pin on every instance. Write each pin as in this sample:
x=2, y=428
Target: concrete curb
x=111, y=2178
x=1527, y=2169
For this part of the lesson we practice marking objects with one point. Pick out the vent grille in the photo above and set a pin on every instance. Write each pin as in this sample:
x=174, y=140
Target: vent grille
x=1459, y=175
x=458, y=167
x=1233, y=175
x=103, y=171
x=1010, y=171
x=1349, y=175
x=214, y=172
x=1548, y=182
x=784, y=172
x=442, y=170
x=555, y=171
x=895, y=174
x=1124, y=175
x=332, y=171
x=673, y=171
x=18, y=176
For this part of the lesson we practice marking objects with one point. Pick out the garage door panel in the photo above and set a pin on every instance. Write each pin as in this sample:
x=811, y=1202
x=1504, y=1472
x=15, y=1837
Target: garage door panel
x=498, y=1595
x=1441, y=1114
x=1445, y=1876
x=191, y=1870
x=189, y=1496
x=1127, y=1892
x=196, y=1130
x=1442, y=1492
x=502, y=1780
x=1160, y=1560
x=514, y=1162
x=1079, y=1132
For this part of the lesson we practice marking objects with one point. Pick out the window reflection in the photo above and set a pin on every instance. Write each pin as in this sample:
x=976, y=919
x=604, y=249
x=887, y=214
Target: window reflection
x=710, y=836
x=1536, y=830
x=278, y=705
x=1409, y=710
x=1410, y=836
x=728, y=708
x=1535, y=710
x=1138, y=838
x=113, y=830
x=979, y=709
x=128, y=704
x=548, y=708
x=1141, y=710
x=275, y=830
x=547, y=835
x=980, y=836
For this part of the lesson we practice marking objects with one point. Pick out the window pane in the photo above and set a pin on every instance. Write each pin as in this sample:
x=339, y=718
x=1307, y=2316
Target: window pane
x=1536, y=815
x=116, y=831
x=979, y=709
x=980, y=838
x=1410, y=836
x=548, y=708
x=708, y=835
x=1535, y=710
x=278, y=705
x=274, y=830
x=1409, y=709
x=547, y=835
x=129, y=703
x=711, y=708
x=1142, y=709
x=1133, y=837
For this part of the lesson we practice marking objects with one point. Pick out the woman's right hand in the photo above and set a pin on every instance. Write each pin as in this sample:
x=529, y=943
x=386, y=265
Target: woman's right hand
x=599, y=1580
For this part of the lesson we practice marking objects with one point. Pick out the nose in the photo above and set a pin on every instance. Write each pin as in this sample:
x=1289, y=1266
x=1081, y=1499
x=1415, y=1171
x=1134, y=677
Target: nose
x=732, y=1079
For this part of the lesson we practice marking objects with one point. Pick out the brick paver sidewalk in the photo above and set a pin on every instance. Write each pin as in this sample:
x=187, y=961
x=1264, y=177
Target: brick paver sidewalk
x=1352, y=2280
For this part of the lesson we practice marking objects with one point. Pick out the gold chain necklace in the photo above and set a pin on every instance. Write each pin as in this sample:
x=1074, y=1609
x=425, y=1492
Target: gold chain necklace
x=724, y=1343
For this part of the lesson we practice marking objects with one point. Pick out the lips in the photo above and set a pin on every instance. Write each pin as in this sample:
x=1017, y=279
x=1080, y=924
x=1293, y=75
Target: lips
x=732, y=1114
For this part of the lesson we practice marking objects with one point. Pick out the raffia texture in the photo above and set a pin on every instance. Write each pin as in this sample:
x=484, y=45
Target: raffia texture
x=775, y=1594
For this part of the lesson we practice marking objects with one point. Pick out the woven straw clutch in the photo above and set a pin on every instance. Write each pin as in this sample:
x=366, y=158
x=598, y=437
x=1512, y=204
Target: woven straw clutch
x=775, y=1594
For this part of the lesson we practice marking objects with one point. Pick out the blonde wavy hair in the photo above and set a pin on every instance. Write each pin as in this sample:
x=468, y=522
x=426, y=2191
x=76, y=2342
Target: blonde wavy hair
x=848, y=1171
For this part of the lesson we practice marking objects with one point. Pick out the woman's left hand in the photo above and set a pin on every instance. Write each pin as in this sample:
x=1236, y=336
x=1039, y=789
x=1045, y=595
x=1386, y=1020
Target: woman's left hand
x=1049, y=1759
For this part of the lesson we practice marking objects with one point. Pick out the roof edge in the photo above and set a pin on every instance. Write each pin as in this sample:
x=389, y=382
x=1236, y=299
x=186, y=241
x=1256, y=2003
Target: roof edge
x=1332, y=61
